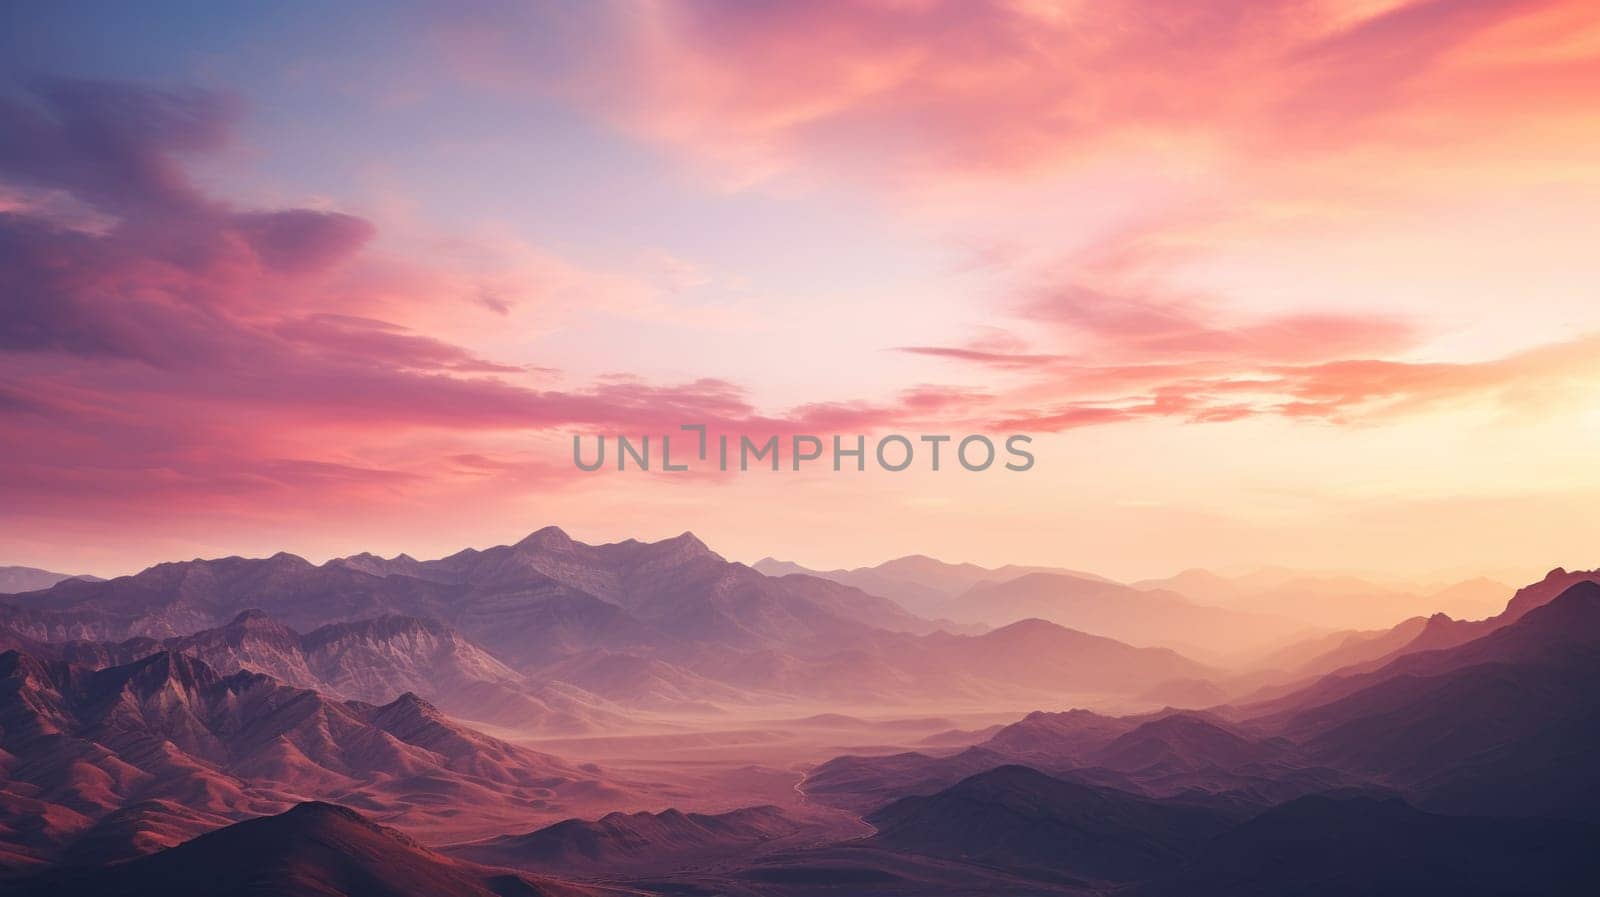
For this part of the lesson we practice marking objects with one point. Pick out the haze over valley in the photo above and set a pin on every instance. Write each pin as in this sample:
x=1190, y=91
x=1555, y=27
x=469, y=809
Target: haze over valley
x=652, y=717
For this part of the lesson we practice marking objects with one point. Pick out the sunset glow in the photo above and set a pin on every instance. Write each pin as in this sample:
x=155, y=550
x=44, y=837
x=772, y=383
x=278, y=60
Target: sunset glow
x=1269, y=283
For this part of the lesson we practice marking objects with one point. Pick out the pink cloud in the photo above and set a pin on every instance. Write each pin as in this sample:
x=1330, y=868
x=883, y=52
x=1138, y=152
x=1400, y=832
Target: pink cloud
x=184, y=348
x=945, y=87
x=1345, y=391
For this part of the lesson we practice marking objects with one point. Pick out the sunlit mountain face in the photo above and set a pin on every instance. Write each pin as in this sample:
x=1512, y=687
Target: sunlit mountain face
x=687, y=447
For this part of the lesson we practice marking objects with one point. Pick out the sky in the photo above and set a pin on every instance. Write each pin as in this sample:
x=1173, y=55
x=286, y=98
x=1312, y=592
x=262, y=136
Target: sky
x=1292, y=283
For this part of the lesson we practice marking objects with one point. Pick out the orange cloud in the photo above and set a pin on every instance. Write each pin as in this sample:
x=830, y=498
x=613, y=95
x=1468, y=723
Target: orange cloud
x=938, y=87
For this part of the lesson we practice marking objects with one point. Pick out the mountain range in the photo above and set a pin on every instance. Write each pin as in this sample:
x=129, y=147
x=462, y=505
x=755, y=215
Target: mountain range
x=652, y=626
x=271, y=726
x=143, y=754
x=1265, y=599
x=373, y=660
x=314, y=848
x=637, y=842
x=920, y=584
x=1136, y=616
x=1332, y=600
x=1017, y=817
x=29, y=579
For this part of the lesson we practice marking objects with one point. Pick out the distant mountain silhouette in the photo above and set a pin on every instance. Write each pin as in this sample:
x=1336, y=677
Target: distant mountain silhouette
x=635, y=841
x=1332, y=600
x=664, y=625
x=1168, y=754
x=676, y=588
x=1141, y=617
x=1333, y=651
x=1444, y=632
x=313, y=849
x=864, y=784
x=1506, y=724
x=1057, y=739
x=1338, y=672
x=29, y=579
x=1017, y=817
x=1182, y=743
x=916, y=582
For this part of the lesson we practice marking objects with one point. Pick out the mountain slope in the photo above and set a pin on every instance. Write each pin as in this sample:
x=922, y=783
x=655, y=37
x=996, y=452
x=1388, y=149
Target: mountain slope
x=81, y=744
x=634, y=841
x=1014, y=816
x=1506, y=724
x=373, y=660
x=312, y=850
x=1140, y=617
x=29, y=579
x=1343, y=845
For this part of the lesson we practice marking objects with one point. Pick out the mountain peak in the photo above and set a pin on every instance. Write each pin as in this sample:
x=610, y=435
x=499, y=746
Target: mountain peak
x=546, y=537
x=1032, y=627
x=410, y=705
x=316, y=810
x=1573, y=613
x=687, y=539
x=251, y=616
x=150, y=675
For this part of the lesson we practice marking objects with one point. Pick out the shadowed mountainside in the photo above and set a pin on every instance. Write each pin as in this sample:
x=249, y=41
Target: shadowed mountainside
x=372, y=660
x=312, y=850
x=177, y=747
x=1016, y=817
x=1503, y=725
x=1349, y=844
x=635, y=842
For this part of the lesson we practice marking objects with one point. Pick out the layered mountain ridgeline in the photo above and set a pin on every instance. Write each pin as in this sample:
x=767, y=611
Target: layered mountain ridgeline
x=332, y=851
x=366, y=660
x=1359, y=654
x=665, y=625
x=1018, y=818
x=1264, y=601
x=637, y=843
x=1351, y=652
x=177, y=748
x=29, y=579
x=1164, y=755
x=1506, y=724
x=1339, y=601
x=917, y=582
x=313, y=849
x=1345, y=842
x=676, y=591
x=1504, y=729
x=1467, y=769
x=1141, y=617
